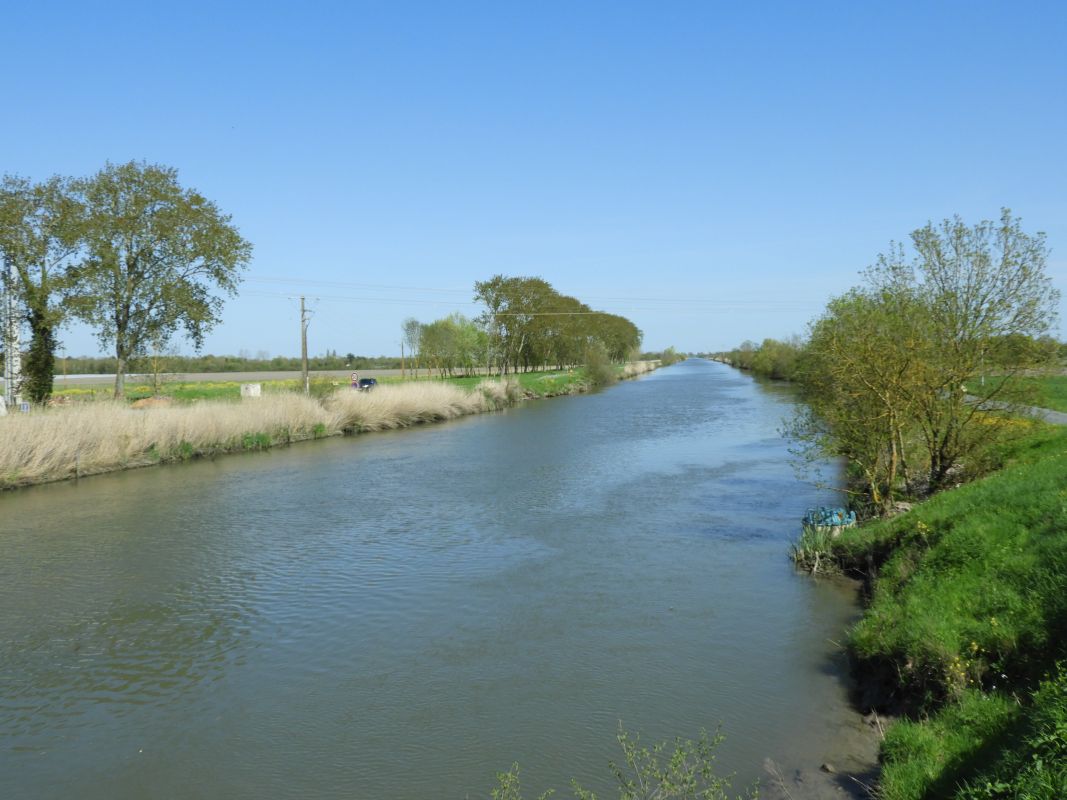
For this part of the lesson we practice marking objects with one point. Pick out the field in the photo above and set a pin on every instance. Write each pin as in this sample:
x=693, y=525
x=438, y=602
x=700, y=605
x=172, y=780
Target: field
x=183, y=390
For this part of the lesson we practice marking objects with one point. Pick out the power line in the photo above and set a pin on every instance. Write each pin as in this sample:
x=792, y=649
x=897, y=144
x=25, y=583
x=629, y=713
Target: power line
x=762, y=302
x=713, y=306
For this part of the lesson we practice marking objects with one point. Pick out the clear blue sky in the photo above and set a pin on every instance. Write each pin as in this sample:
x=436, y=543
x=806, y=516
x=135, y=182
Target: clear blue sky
x=713, y=171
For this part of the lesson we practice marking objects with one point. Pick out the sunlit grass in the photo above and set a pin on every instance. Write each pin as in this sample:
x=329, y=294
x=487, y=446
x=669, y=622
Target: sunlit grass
x=968, y=612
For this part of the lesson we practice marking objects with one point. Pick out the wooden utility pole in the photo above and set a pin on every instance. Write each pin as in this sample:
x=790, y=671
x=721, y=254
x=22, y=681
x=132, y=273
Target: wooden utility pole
x=304, y=346
x=402, y=372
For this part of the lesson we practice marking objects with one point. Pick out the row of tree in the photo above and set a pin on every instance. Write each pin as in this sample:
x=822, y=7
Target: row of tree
x=127, y=250
x=912, y=375
x=527, y=325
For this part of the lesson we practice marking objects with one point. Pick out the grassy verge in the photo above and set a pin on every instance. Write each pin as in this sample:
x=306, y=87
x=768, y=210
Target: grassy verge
x=1049, y=391
x=964, y=629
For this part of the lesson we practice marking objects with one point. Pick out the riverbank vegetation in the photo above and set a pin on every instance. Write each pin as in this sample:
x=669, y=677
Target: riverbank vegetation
x=85, y=438
x=90, y=438
x=686, y=771
x=963, y=632
x=915, y=378
x=771, y=358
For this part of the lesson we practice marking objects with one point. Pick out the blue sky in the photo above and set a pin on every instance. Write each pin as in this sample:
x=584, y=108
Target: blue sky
x=714, y=172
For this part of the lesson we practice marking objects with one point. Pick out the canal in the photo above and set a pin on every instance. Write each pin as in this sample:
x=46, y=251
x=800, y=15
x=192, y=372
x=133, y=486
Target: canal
x=402, y=615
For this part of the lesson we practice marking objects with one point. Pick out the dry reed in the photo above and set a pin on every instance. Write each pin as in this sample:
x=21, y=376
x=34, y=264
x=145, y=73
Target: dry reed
x=401, y=405
x=55, y=444
x=634, y=368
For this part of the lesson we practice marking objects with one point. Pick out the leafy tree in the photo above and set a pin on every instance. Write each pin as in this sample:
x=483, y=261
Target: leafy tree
x=437, y=345
x=858, y=371
x=413, y=339
x=777, y=359
x=744, y=355
x=40, y=230
x=894, y=371
x=983, y=286
x=156, y=255
x=530, y=324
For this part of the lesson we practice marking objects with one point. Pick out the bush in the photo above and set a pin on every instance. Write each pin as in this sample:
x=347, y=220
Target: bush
x=598, y=367
x=685, y=771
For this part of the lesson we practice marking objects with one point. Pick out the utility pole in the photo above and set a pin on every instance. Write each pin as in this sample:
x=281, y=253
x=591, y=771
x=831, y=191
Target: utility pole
x=402, y=373
x=304, y=346
x=12, y=356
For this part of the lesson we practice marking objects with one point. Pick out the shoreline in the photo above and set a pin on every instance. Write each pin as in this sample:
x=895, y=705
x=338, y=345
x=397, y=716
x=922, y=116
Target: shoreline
x=956, y=641
x=84, y=440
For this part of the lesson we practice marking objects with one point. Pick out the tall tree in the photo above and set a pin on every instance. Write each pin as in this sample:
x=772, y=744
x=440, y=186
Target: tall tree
x=157, y=255
x=40, y=234
x=894, y=371
x=412, y=329
x=860, y=372
x=983, y=285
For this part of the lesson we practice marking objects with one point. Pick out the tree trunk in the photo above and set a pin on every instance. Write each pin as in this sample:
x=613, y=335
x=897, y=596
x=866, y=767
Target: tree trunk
x=120, y=376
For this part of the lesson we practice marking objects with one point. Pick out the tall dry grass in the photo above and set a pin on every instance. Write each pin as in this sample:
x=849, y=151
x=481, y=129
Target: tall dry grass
x=401, y=405
x=84, y=439
x=55, y=444
x=632, y=369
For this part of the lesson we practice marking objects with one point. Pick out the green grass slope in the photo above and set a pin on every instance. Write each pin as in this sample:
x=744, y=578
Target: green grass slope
x=967, y=616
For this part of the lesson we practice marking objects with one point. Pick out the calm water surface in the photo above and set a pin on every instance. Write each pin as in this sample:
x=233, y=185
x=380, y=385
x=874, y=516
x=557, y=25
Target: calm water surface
x=402, y=615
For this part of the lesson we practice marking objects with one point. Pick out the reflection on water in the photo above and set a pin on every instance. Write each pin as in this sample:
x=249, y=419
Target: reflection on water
x=404, y=614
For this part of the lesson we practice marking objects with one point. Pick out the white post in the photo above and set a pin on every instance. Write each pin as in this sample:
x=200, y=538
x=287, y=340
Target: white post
x=12, y=354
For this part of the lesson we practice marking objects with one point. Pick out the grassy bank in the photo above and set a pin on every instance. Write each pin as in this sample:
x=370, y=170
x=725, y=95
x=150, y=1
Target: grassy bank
x=965, y=630
x=86, y=438
x=1049, y=391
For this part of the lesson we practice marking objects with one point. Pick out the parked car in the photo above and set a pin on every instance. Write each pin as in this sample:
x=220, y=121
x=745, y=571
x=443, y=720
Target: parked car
x=366, y=384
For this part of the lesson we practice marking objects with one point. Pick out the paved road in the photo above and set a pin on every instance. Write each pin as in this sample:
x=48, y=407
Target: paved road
x=1043, y=414
x=1048, y=415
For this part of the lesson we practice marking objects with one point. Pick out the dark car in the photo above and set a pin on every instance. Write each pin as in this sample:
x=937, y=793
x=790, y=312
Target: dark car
x=366, y=384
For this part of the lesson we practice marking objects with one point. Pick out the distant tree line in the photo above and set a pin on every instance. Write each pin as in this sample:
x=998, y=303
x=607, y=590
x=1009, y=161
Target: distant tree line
x=665, y=357
x=171, y=363
x=128, y=251
x=527, y=325
x=911, y=376
x=771, y=359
